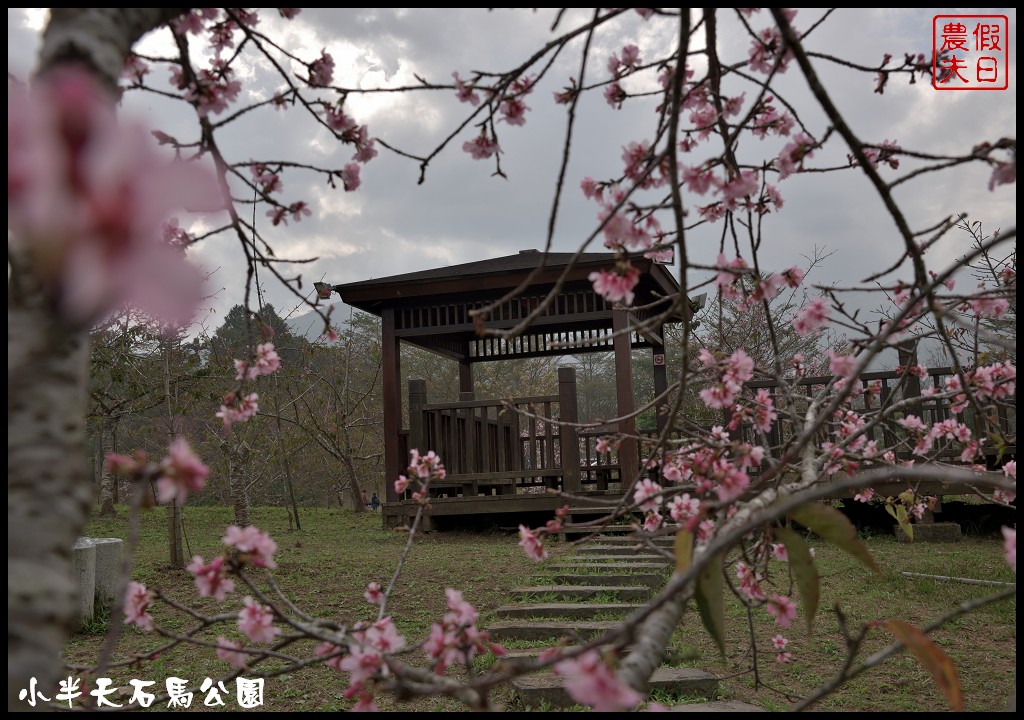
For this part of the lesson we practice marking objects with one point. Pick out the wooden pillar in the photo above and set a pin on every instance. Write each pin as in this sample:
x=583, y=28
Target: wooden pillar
x=569, y=446
x=391, y=372
x=629, y=461
x=417, y=430
x=660, y=378
x=465, y=376
x=907, y=352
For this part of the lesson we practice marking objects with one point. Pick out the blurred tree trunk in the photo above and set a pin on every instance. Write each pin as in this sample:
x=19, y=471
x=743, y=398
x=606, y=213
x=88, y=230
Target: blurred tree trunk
x=49, y=491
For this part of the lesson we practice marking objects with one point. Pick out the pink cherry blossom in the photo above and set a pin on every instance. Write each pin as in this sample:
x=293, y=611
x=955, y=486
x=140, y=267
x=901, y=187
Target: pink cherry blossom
x=181, y=472
x=989, y=306
x=257, y=621
x=456, y=639
x=365, y=703
x=256, y=547
x=321, y=70
x=118, y=464
x=88, y=199
x=616, y=285
x=237, y=409
x=326, y=649
x=812, y=317
x=589, y=681
x=464, y=92
x=401, y=484
x=652, y=521
x=683, y=507
x=764, y=411
x=779, y=642
x=267, y=363
x=210, y=578
x=864, y=495
x=383, y=636
x=614, y=95
x=841, y=365
x=647, y=495
x=227, y=650
x=779, y=552
x=137, y=600
x=742, y=186
x=750, y=581
x=1004, y=173
x=532, y=544
x=792, y=157
x=481, y=147
x=211, y=90
x=514, y=111
x=782, y=609
x=700, y=179
x=374, y=593
x=350, y=177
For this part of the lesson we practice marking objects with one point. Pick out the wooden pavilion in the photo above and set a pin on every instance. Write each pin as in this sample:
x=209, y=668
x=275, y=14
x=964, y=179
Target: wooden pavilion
x=500, y=461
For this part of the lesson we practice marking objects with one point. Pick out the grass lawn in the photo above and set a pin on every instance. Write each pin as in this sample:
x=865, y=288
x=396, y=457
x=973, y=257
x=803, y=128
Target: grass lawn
x=325, y=567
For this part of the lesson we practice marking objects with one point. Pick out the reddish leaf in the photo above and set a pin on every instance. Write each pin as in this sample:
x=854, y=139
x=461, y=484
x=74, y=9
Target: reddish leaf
x=932, y=659
x=829, y=523
x=804, y=571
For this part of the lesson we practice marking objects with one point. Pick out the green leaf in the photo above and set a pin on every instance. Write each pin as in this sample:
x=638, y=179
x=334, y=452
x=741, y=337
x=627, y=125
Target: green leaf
x=904, y=521
x=932, y=659
x=829, y=523
x=804, y=571
x=710, y=601
x=889, y=509
x=683, y=550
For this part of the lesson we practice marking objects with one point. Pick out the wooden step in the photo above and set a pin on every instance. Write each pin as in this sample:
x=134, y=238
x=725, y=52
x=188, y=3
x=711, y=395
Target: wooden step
x=564, y=610
x=586, y=592
x=632, y=541
x=649, y=580
x=610, y=567
x=546, y=687
x=616, y=549
x=549, y=630
x=614, y=558
x=718, y=706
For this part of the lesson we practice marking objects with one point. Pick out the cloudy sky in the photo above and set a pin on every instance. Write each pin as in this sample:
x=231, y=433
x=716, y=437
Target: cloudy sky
x=462, y=212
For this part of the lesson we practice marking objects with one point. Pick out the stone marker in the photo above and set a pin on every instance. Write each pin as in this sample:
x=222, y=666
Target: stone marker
x=108, y=569
x=83, y=562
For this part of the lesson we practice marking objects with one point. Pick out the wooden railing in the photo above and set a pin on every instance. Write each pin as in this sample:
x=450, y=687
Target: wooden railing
x=901, y=393
x=499, y=446
x=529, y=445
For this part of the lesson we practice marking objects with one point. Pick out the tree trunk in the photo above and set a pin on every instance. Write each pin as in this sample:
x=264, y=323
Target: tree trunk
x=355, y=493
x=107, y=483
x=236, y=481
x=49, y=492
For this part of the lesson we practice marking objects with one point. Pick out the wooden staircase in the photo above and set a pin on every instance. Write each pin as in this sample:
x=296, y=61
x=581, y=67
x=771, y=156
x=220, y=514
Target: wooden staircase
x=577, y=600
